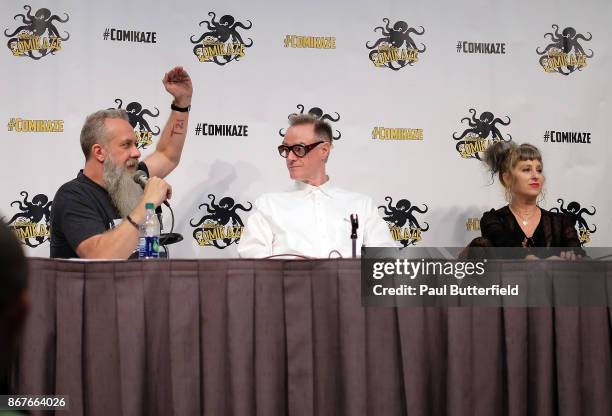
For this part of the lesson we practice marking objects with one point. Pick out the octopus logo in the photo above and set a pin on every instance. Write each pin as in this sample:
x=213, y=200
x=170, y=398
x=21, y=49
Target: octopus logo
x=32, y=224
x=482, y=133
x=37, y=36
x=319, y=114
x=142, y=129
x=221, y=226
x=395, y=49
x=222, y=43
x=575, y=211
x=402, y=223
x=564, y=54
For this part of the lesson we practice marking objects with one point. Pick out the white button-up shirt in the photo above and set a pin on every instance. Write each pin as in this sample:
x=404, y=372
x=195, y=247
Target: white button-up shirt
x=312, y=221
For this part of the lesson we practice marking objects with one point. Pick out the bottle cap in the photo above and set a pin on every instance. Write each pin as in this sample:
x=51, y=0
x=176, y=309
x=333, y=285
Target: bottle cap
x=149, y=205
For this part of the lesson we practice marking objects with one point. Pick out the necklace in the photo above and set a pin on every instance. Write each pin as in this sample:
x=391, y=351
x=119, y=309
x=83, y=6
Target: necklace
x=524, y=219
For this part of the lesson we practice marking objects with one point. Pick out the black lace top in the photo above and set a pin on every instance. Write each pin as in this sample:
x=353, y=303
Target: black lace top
x=554, y=230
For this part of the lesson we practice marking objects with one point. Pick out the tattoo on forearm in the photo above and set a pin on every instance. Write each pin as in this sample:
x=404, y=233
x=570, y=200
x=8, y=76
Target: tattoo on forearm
x=178, y=128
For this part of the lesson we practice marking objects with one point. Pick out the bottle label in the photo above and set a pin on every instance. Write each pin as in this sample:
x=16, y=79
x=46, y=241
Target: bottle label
x=148, y=247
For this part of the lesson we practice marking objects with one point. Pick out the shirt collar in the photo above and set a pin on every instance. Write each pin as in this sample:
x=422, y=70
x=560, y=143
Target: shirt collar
x=86, y=179
x=307, y=189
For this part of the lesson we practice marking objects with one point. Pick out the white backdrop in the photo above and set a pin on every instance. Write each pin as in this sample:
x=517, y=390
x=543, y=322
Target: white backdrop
x=268, y=83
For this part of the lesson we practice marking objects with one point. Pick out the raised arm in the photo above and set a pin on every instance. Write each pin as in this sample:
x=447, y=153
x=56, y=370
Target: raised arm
x=170, y=146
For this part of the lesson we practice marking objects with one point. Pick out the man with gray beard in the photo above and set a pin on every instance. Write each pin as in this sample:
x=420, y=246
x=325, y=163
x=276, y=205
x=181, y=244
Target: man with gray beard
x=98, y=214
x=120, y=185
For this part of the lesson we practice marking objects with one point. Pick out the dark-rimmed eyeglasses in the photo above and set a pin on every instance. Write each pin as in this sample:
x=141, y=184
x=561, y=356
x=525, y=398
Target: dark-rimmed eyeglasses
x=300, y=150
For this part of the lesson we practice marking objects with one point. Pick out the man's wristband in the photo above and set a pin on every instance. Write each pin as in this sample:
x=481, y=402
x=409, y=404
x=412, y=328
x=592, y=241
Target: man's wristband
x=131, y=221
x=180, y=109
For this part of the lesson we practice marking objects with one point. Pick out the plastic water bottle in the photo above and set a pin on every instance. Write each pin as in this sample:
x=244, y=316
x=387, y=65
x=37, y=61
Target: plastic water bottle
x=148, y=245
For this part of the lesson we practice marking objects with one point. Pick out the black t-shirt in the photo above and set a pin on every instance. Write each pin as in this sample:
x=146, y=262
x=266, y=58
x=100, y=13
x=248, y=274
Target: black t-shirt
x=81, y=209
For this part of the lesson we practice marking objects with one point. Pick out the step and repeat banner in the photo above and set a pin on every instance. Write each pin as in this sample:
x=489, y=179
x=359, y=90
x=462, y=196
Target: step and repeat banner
x=415, y=92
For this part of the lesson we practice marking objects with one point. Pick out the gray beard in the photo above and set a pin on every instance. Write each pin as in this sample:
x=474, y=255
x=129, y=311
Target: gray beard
x=124, y=192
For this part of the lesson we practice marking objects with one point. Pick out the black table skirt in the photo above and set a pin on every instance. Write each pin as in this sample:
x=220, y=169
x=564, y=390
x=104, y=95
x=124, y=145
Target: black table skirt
x=275, y=337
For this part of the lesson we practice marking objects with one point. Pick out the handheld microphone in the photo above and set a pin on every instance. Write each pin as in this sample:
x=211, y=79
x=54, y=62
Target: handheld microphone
x=141, y=178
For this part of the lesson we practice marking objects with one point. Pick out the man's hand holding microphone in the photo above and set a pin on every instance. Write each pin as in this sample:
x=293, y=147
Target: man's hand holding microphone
x=156, y=191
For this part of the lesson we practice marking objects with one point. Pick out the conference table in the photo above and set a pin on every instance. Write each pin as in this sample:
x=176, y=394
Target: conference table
x=278, y=337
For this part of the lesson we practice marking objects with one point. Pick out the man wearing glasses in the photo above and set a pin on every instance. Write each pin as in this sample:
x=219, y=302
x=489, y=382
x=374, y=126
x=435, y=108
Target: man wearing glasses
x=313, y=220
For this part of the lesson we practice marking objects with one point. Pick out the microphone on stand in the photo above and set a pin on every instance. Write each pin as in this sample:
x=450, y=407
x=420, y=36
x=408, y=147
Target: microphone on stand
x=354, y=227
